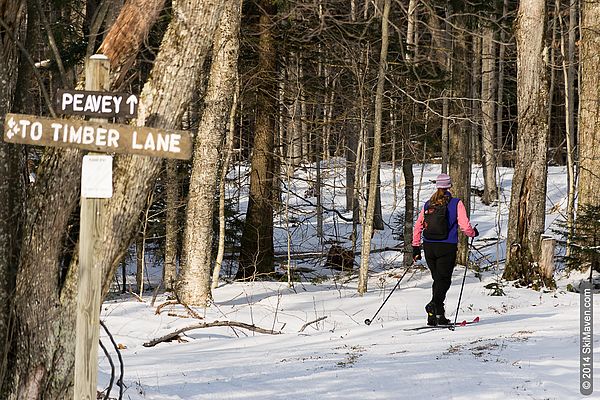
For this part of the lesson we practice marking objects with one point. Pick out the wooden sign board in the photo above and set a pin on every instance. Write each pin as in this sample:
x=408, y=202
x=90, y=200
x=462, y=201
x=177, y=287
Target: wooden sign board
x=97, y=136
x=96, y=104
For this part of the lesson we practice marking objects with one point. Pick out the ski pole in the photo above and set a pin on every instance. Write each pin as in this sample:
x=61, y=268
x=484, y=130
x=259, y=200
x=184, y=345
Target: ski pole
x=462, y=286
x=368, y=321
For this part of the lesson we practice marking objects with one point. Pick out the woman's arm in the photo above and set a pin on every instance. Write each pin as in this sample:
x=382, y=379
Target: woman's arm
x=463, y=220
x=418, y=229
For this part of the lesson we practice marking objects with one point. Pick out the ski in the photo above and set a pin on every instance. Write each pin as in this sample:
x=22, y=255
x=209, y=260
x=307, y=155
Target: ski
x=449, y=326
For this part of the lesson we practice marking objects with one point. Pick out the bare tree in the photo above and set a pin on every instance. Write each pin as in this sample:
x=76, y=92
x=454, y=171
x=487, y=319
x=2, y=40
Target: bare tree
x=488, y=80
x=460, y=137
x=376, y=157
x=12, y=182
x=171, y=224
x=193, y=285
x=589, y=118
x=256, y=256
x=528, y=198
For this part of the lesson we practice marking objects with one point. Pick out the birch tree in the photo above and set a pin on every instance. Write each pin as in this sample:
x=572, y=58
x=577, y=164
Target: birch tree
x=371, y=203
x=194, y=282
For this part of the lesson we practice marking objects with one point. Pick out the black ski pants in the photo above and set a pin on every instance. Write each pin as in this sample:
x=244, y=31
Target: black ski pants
x=441, y=259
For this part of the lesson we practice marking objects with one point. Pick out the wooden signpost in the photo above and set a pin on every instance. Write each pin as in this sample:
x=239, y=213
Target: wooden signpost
x=97, y=136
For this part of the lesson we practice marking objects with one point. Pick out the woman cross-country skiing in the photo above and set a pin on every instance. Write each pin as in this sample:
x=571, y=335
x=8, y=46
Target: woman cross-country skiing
x=438, y=222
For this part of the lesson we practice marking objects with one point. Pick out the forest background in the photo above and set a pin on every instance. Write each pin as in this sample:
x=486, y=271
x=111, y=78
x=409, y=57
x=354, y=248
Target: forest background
x=281, y=86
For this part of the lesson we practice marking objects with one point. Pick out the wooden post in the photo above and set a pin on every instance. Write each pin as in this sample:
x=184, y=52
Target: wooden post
x=90, y=274
x=547, y=257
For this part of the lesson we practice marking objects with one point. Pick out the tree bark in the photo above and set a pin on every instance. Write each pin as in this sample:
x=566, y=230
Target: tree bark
x=460, y=137
x=569, y=76
x=488, y=66
x=194, y=286
x=409, y=201
x=589, y=119
x=222, y=184
x=12, y=179
x=43, y=354
x=171, y=224
x=500, y=107
x=127, y=34
x=373, y=182
x=256, y=256
x=528, y=198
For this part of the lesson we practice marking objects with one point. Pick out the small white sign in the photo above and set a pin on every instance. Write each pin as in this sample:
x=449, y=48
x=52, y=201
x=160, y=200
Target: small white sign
x=96, y=177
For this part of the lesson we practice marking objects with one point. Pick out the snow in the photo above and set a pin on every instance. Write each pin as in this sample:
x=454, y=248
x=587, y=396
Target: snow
x=525, y=346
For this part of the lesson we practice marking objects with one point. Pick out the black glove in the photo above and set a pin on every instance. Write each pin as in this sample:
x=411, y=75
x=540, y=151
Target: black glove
x=416, y=253
x=476, y=231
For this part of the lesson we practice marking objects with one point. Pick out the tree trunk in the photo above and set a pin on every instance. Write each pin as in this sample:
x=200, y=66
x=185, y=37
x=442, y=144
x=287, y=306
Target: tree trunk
x=12, y=179
x=194, y=283
x=569, y=76
x=44, y=299
x=409, y=202
x=44, y=314
x=500, y=107
x=351, y=152
x=460, y=137
x=589, y=125
x=171, y=224
x=127, y=34
x=222, y=186
x=488, y=63
x=256, y=256
x=476, y=96
x=411, y=31
x=528, y=198
x=373, y=182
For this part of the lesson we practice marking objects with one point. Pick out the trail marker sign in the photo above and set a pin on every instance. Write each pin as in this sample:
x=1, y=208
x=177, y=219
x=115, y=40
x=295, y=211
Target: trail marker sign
x=97, y=136
x=96, y=104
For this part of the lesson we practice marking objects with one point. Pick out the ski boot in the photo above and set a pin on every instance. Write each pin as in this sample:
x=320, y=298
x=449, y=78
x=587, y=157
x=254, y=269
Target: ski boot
x=431, y=317
x=441, y=317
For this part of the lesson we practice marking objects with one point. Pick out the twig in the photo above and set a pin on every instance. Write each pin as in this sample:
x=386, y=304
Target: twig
x=137, y=296
x=166, y=303
x=122, y=365
x=155, y=292
x=276, y=309
x=311, y=322
x=176, y=333
x=191, y=312
x=112, y=371
x=177, y=315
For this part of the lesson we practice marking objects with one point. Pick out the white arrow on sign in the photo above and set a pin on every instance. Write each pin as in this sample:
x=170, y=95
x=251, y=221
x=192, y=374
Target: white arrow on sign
x=132, y=101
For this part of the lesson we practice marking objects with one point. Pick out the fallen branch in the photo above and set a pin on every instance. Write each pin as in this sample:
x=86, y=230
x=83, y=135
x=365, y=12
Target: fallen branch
x=190, y=311
x=175, y=334
x=166, y=303
x=311, y=322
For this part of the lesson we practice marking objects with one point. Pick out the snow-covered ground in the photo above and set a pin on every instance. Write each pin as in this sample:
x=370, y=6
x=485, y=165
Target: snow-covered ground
x=526, y=344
